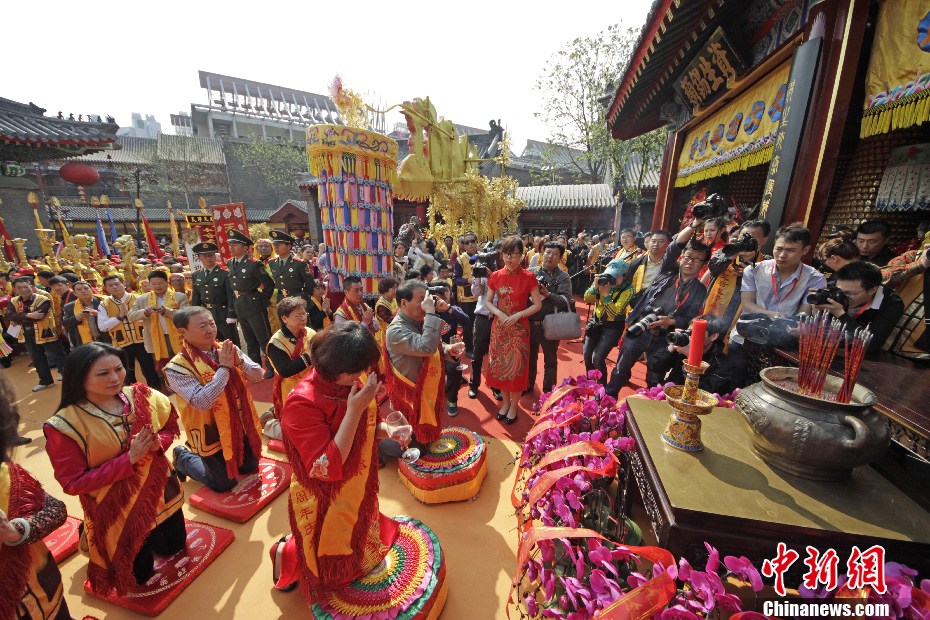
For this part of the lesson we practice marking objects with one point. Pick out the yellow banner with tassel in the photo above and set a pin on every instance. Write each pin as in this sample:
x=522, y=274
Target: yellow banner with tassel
x=898, y=80
x=739, y=135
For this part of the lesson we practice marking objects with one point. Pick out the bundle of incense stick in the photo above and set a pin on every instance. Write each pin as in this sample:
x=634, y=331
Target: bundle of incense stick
x=855, y=351
x=820, y=337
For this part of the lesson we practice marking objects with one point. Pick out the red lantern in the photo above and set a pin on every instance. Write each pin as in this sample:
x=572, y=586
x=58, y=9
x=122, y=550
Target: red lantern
x=79, y=173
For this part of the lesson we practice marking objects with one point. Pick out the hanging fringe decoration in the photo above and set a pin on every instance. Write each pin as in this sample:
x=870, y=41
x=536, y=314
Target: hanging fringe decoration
x=744, y=161
x=901, y=114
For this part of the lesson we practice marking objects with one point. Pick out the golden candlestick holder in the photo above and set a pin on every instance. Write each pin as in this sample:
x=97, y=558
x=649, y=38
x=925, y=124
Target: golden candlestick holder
x=684, y=427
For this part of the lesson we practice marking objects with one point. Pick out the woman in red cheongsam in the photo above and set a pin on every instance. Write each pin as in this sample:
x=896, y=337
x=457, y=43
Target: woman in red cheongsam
x=509, y=353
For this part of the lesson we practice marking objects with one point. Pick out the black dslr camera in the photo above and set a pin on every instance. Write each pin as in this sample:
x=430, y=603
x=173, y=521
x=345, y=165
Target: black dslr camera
x=746, y=243
x=636, y=329
x=679, y=339
x=713, y=206
x=605, y=280
x=822, y=296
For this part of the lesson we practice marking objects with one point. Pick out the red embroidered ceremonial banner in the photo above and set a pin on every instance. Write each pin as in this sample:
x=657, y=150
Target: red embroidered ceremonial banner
x=201, y=230
x=226, y=217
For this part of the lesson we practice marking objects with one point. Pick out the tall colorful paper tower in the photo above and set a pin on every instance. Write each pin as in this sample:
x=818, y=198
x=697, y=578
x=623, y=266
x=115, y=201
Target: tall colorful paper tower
x=357, y=169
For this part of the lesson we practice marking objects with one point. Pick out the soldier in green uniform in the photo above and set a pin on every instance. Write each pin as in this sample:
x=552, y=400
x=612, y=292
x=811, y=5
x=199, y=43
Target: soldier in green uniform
x=292, y=276
x=253, y=289
x=212, y=290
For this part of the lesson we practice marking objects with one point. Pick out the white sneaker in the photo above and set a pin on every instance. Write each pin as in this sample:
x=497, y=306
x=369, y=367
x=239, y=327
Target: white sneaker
x=41, y=387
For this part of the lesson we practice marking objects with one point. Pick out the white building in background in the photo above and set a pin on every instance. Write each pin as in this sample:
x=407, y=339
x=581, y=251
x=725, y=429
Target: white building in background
x=240, y=109
x=140, y=127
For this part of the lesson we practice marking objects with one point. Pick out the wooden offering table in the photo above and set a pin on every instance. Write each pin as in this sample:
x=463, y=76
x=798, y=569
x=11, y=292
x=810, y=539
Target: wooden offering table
x=727, y=496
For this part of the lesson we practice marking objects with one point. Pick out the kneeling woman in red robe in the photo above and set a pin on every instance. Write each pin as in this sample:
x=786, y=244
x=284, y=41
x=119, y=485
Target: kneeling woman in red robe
x=107, y=445
x=30, y=584
x=330, y=426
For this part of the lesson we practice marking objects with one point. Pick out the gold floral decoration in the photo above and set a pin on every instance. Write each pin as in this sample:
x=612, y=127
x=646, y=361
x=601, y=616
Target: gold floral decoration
x=349, y=103
x=488, y=207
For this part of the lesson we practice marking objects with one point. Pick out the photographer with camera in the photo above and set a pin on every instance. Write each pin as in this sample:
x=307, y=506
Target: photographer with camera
x=726, y=266
x=482, y=326
x=556, y=290
x=611, y=293
x=675, y=297
x=718, y=378
x=777, y=289
x=462, y=280
x=858, y=299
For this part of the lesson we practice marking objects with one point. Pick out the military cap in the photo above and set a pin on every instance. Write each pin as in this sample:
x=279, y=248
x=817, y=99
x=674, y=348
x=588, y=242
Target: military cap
x=238, y=237
x=278, y=236
x=205, y=247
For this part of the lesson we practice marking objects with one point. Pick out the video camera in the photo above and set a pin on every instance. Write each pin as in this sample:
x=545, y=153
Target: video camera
x=713, y=206
x=484, y=261
x=824, y=295
x=746, y=243
x=763, y=329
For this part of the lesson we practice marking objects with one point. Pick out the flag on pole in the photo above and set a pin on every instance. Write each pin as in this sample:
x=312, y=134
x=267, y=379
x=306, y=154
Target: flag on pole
x=9, y=250
x=150, y=238
x=175, y=241
x=64, y=231
x=102, y=245
x=113, y=234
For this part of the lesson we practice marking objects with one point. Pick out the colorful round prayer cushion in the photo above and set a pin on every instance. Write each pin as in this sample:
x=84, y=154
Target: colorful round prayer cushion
x=408, y=584
x=451, y=470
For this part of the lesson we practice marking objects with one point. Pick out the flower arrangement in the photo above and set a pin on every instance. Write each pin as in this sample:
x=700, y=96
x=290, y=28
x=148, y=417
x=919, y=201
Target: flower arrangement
x=657, y=393
x=575, y=559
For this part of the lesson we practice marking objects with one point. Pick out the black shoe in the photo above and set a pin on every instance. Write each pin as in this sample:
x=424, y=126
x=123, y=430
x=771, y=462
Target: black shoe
x=497, y=394
x=510, y=421
x=269, y=373
x=174, y=464
x=472, y=393
x=501, y=417
x=22, y=441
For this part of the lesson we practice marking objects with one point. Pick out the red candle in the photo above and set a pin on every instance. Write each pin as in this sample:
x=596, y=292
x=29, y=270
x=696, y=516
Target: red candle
x=696, y=352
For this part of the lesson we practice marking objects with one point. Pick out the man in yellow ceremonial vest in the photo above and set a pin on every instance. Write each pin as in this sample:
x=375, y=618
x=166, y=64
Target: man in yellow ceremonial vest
x=33, y=324
x=80, y=316
x=217, y=412
x=156, y=309
x=415, y=354
x=113, y=319
x=462, y=278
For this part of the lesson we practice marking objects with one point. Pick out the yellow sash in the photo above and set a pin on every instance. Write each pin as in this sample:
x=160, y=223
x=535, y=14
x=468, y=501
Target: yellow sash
x=339, y=521
x=39, y=600
x=326, y=320
x=84, y=326
x=157, y=336
x=125, y=332
x=287, y=383
x=463, y=294
x=420, y=401
x=208, y=430
x=146, y=499
x=45, y=329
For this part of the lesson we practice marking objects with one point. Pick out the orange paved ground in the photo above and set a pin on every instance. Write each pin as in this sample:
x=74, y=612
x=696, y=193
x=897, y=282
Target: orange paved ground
x=477, y=536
